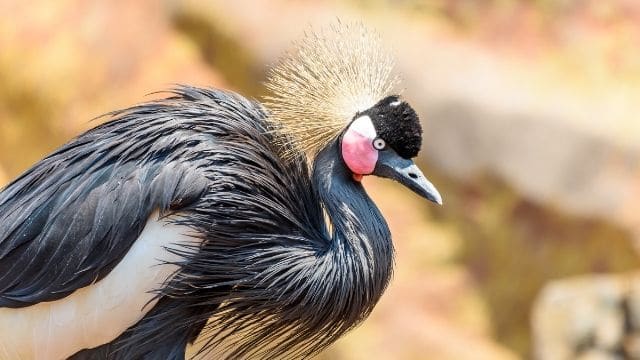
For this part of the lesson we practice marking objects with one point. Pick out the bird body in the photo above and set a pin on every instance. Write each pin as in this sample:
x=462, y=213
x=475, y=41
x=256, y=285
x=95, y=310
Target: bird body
x=202, y=215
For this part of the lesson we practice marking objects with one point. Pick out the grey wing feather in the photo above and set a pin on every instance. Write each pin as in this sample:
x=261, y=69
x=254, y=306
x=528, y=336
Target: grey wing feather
x=72, y=217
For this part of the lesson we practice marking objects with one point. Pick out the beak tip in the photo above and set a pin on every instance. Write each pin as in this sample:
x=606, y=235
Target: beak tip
x=432, y=194
x=437, y=199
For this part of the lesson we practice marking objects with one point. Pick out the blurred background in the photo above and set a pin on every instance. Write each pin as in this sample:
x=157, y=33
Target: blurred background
x=530, y=110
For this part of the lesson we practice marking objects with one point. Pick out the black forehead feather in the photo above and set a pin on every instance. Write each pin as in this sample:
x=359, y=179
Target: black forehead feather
x=398, y=125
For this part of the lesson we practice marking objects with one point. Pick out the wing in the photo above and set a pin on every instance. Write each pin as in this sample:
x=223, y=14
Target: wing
x=71, y=218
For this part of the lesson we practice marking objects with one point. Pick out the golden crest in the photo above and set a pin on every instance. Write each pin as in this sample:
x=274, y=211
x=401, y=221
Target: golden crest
x=330, y=76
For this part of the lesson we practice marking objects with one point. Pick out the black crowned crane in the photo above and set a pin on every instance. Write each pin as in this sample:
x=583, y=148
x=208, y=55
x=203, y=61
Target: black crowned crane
x=208, y=215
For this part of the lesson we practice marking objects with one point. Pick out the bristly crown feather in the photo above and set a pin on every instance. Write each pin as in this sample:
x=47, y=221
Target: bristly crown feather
x=330, y=76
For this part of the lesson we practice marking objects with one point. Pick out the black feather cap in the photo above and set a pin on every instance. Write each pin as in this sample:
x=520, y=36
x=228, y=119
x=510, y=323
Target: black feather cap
x=397, y=124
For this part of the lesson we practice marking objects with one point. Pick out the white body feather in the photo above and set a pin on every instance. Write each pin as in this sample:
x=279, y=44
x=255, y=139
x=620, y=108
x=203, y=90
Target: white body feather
x=99, y=313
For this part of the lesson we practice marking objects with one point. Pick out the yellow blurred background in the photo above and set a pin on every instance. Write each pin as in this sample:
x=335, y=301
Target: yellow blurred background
x=530, y=110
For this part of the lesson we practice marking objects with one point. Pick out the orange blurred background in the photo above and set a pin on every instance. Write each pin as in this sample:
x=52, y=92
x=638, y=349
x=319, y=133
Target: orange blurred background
x=531, y=134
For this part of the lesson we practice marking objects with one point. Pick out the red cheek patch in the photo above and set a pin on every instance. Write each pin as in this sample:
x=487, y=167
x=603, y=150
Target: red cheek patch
x=358, y=152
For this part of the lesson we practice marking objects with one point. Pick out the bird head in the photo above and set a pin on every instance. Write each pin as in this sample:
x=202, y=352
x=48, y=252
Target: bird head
x=337, y=83
x=382, y=140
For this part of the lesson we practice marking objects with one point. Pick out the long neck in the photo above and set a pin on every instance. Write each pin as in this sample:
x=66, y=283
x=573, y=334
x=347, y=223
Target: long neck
x=361, y=240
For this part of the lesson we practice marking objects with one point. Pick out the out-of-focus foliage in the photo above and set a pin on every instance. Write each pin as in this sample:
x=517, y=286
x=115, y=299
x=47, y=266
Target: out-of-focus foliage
x=65, y=63
x=25, y=121
x=240, y=69
x=467, y=273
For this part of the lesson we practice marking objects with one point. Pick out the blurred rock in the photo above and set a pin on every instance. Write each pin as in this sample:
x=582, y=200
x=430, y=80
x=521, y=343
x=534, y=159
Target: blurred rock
x=609, y=334
x=632, y=346
x=597, y=355
x=590, y=317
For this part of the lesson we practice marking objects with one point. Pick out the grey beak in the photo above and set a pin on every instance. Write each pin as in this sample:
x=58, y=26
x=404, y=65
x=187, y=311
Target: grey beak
x=405, y=171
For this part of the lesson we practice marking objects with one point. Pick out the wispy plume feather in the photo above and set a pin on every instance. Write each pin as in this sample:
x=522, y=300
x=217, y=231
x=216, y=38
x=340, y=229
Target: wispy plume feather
x=330, y=76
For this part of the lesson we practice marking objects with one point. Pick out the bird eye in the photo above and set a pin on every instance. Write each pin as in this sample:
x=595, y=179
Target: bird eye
x=379, y=144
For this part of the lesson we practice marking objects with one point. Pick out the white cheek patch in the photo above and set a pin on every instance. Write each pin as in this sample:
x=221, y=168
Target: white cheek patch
x=395, y=103
x=364, y=127
x=358, y=152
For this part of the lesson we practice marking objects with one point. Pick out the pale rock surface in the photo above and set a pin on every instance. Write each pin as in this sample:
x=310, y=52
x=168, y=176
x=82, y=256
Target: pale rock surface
x=588, y=317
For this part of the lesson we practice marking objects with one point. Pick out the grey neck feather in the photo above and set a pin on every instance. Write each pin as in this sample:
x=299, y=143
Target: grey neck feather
x=361, y=240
